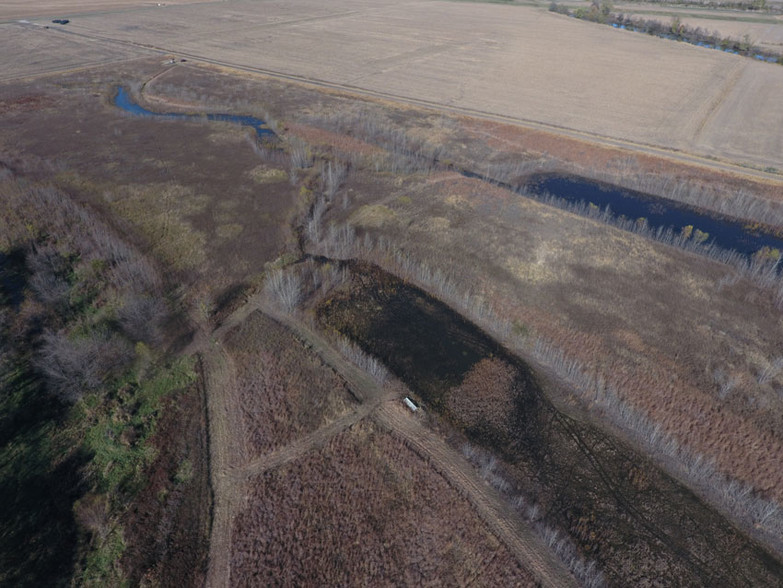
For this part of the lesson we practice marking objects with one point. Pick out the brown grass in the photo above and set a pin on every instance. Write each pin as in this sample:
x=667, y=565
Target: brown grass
x=199, y=209
x=653, y=321
x=284, y=390
x=517, y=61
x=365, y=510
x=485, y=398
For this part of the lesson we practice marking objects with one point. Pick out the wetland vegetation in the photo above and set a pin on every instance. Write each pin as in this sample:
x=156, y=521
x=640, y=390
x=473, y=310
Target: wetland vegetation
x=570, y=477
x=135, y=292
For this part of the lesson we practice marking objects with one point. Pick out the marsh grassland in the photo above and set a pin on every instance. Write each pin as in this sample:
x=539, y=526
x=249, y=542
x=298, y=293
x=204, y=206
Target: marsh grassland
x=206, y=335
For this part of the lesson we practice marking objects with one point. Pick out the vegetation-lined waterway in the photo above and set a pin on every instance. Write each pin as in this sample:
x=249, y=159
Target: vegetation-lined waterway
x=618, y=508
x=656, y=212
x=124, y=100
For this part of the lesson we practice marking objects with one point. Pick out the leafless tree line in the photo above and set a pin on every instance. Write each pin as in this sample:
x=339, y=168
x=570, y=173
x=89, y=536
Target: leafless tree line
x=741, y=502
x=71, y=257
x=285, y=287
x=289, y=286
x=585, y=571
x=762, y=517
x=402, y=153
x=364, y=361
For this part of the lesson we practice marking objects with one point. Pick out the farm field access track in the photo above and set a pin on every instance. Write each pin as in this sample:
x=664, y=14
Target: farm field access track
x=514, y=64
x=233, y=473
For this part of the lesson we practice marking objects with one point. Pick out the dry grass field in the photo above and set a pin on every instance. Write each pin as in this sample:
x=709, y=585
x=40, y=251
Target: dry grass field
x=657, y=323
x=310, y=522
x=20, y=9
x=303, y=467
x=284, y=392
x=37, y=50
x=519, y=62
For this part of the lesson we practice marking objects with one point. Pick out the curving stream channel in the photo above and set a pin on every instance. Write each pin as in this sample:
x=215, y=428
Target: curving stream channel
x=124, y=100
x=620, y=204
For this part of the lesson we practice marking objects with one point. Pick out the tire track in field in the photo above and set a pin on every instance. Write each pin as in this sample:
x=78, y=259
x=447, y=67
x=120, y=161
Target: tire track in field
x=714, y=105
x=509, y=528
x=306, y=443
x=226, y=449
x=499, y=517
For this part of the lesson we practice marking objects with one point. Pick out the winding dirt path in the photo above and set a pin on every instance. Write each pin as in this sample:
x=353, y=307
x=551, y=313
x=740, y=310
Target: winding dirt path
x=231, y=472
x=496, y=513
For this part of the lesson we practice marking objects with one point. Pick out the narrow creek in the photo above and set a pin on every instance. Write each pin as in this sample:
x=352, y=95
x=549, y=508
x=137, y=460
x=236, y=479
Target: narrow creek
x=619, y=204
x=657, y=212
x=618, y=508
x=124, y=100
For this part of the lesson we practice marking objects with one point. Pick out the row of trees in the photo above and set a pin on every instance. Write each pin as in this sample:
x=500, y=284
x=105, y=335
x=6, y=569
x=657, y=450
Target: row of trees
x=602, y=12
x=738, y=500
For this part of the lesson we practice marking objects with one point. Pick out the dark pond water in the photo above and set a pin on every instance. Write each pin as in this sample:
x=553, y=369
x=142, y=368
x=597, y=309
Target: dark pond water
x=124, y=100
x=658, y=212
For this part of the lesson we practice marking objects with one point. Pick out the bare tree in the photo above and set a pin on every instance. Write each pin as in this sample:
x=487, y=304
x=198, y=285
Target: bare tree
x=285, y=287
x=142, y=316
x=73, y=366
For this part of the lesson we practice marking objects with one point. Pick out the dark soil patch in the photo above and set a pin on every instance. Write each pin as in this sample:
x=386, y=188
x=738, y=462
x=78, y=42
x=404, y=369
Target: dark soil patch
x=617, y=507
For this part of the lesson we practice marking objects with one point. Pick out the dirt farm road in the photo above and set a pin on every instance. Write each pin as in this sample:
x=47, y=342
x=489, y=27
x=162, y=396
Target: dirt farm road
x=231, y=471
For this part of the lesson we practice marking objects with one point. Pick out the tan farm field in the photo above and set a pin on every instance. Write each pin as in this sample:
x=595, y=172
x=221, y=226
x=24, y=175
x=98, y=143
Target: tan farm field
x=517, y=62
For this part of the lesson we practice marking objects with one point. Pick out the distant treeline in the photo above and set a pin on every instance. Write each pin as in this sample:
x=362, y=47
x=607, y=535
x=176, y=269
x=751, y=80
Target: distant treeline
x=754, y=5
x=673, y=30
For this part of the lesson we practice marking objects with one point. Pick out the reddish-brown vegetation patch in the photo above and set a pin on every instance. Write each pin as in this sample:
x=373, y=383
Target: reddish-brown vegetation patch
x=365, y=511
x=343, y=144
x=485, y=398
x=285, y=390
x=25, y=103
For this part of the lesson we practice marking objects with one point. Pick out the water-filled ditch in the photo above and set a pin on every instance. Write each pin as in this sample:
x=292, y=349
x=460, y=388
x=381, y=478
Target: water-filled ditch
x=617, y=507
x=124, y=100
x=656, y=212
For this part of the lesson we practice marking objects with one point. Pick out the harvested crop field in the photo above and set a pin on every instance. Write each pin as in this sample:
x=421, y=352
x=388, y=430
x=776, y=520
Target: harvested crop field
x=37, y=50
x=364, y=510
x=60, y=8
x=520, y=62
